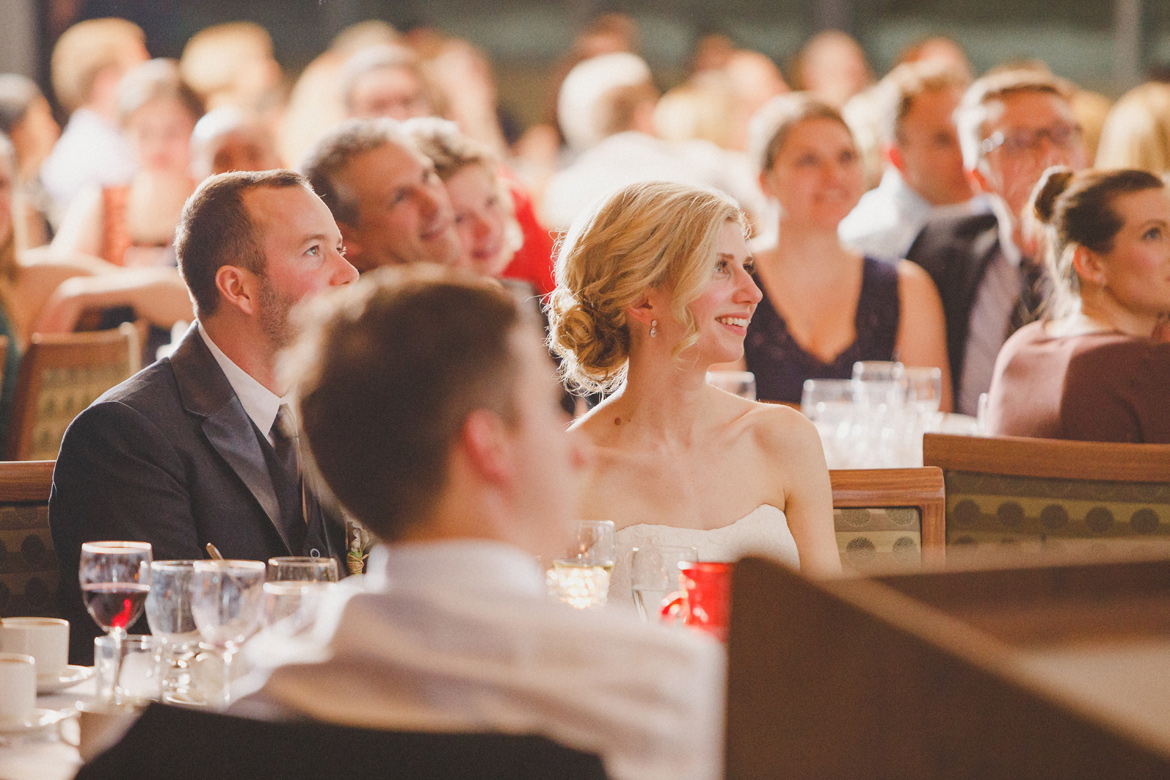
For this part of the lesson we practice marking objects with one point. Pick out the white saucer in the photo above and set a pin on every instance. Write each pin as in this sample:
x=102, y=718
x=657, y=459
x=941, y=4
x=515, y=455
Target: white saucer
x=35, y=721
x=68, y=677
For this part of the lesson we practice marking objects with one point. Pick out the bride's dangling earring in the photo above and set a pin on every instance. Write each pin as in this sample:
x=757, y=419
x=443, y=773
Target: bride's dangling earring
x=653, y=329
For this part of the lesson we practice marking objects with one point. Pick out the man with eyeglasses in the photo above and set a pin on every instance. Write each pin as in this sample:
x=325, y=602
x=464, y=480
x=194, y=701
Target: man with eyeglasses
x=1013, y=125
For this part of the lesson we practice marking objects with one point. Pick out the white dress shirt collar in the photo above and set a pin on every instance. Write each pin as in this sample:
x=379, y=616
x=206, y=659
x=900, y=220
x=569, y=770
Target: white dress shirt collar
x=454, y=565
x=1007, y=230
x=260, y=403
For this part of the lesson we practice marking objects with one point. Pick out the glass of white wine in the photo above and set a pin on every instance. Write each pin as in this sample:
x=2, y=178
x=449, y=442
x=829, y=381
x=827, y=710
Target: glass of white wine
x=581, y=578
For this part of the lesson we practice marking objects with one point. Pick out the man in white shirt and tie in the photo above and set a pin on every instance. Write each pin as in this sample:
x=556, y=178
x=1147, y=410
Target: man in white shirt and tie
x=430, y=408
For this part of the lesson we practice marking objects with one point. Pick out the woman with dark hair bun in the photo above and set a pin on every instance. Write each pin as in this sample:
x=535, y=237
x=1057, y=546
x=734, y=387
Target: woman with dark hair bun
x=1097, y=366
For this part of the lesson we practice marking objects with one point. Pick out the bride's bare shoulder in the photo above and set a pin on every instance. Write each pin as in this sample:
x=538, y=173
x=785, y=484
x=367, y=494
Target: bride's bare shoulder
x=781, y=428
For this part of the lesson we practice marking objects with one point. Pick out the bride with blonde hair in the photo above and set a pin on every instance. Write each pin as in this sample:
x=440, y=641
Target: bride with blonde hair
x=654, y=286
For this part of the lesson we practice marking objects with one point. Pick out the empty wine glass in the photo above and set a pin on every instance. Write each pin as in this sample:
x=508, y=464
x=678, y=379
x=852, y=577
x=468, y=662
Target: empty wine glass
x=595, y=545
x=168, y=611
x=829, y=404
x=302, y=568
x=115, y=580
x=227, y=602
x=741, y=383
x=654, y=575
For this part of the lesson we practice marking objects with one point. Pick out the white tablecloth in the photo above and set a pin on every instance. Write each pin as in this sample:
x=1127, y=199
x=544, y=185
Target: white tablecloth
x=44, y=756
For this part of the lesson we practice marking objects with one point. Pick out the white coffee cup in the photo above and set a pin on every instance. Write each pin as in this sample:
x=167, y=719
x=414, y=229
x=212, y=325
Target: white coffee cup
x=45, y=639
x=18, y=687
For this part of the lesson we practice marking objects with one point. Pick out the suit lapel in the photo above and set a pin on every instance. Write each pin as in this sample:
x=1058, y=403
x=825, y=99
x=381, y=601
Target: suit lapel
x=206, y=392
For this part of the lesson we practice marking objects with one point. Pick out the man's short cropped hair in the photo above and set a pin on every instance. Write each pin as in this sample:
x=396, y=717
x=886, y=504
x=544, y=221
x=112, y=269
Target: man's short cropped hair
x=215, y=230
x=332, y=153
x=973, y=111
x=387, y=371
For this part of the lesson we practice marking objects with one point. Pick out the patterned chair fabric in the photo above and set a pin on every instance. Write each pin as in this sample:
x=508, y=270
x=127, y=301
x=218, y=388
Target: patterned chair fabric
x=879, y=537
x=28, y=563
x=1009, y=494
x=59, y=377
x=993, y=509
x=887, y=519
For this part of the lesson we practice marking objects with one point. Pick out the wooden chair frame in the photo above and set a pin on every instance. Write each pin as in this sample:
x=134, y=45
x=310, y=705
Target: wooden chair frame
x=1048, y=458
x=879, y=488
x=78, y=349
x=26, y=480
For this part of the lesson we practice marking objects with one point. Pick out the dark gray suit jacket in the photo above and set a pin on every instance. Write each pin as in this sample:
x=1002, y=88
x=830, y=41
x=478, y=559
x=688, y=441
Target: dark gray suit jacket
x=169, y=457
x=955, y=251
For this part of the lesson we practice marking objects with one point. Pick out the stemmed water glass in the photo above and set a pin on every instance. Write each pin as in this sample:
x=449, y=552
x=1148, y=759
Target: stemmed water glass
x=115, y=580
x=227, y=603
x=654, y=575
x=294, y=587
x=168, y=611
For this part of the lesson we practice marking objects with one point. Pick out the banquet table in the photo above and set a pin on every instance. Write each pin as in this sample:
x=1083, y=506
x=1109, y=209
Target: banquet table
x=45, y=756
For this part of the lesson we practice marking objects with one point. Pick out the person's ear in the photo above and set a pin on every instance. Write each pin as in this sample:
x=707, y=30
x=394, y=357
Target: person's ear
x=1089, y=266
x=487, y=446
x=767, y=180
x=238, y=287
x=645, y=310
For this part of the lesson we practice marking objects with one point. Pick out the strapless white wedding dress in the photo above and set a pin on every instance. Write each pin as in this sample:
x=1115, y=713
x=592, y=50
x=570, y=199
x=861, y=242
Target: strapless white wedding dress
x=764, y=531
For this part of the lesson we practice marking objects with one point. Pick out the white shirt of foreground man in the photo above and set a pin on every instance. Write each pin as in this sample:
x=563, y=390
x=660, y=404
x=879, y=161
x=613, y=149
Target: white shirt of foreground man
x=459, y=636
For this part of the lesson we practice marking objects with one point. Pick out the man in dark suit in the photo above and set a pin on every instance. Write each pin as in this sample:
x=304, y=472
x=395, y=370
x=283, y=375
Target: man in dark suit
x=1013, y=125
x=193, y=449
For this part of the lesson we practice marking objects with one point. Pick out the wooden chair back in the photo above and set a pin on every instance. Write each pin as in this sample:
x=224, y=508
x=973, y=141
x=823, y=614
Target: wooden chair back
x=60, y=375
x=1029, y=494
x=888, y=518
x=28, y=567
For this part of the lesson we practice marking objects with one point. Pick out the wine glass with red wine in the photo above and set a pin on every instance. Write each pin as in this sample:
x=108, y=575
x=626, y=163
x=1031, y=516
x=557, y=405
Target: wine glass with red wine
x=115, y=580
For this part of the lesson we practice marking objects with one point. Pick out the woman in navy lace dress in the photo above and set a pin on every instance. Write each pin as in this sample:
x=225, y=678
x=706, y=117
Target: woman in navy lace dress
x=826, y=307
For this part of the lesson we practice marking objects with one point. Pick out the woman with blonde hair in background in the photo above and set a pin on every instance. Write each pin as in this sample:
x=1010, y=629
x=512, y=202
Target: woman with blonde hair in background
x=1136, y=133
x=653, y=287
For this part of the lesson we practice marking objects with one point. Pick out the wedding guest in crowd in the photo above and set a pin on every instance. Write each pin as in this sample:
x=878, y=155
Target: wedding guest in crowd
x=494, y=216
x=924, y=163
x=191, y=450
x=133, y=224
x=232, y=64
x=826, y=307
x=27, y=120
x=654, y=286
x=228, y=139
x=1012, y=125
x=1098, y=366
x=45, y=292
x=384, y=193
x=484, y=218
x=832, y=66
x=1137, y=130
x=606, y=112
x=385, y=81
x=429, y=406
x=88, y=63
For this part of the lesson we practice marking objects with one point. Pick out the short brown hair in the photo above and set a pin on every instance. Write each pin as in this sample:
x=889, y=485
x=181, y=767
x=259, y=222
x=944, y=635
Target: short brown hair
x=387, y=371
x=903, y=85
x=1079, y=209
x=215, y=230
x=332, y=153
x=85, y=50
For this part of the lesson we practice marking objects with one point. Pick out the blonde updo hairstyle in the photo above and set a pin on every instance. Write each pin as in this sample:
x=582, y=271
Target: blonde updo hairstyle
x=645, y=236
x=772, y=124
x=1079, y=209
